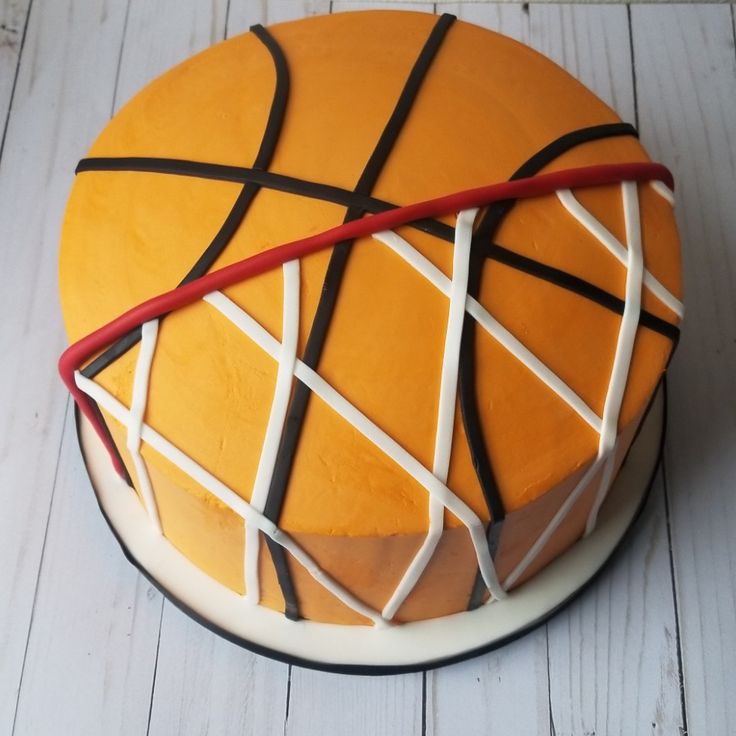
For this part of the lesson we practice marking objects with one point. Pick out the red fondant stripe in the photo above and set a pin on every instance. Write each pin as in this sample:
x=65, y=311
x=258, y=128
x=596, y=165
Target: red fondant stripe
x=78, y=353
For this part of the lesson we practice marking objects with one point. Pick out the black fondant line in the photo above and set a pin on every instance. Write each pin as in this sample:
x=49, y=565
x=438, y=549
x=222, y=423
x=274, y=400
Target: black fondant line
x=337, y=264
x=264, y=179
x=240, y=206
x=283, y=575
x=578, y=286
x=479, y=590
x=346, y=197
x=484, y=234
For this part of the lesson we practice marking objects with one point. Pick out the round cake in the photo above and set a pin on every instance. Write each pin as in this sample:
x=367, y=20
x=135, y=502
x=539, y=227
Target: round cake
x=412, y=409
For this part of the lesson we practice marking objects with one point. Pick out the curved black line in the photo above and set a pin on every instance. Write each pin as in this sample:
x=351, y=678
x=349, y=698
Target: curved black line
x=338, y=262
x=240, y=206
x=484, y=234
x=348, y=198
x=264, y=179
x=576, y=285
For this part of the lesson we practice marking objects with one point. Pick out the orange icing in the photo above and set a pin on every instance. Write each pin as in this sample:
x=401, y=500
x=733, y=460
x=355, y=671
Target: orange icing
x=487, y=104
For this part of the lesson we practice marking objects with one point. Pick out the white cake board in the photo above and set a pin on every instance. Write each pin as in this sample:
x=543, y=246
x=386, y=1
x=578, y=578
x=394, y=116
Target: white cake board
x=364, y=649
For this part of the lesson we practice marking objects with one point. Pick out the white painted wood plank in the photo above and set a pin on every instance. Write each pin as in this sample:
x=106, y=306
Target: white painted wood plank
x=244, y=13
x=613, y=653
x=339, y=6
x=161, y=34
x=63, y=95
x=323, y=703
x=13, y=15
x=592, y=43
x=686, y=80
x=205, y=684
x=92, y=649
x=505, y=691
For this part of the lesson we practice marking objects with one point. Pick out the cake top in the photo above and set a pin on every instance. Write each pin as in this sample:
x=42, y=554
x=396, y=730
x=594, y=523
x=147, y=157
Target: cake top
x=280, y=134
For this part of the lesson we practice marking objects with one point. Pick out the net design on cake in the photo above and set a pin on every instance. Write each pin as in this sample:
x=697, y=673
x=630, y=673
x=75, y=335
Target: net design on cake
x=439, y=247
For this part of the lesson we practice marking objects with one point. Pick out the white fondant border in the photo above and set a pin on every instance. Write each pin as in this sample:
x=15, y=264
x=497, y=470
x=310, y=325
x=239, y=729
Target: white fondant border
x=366, y=649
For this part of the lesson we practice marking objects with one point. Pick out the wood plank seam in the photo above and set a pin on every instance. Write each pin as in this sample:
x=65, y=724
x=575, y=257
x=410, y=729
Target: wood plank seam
x=552, y=729
x=158, y=649
x=15, y=79
x=114, y=104
x=41, y=558
x=288, y=697
x=678, y=641
x=633, y=66
x=673, y=580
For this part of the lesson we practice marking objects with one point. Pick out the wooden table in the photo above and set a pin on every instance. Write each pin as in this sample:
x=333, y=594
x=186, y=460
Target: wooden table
x=87, y=646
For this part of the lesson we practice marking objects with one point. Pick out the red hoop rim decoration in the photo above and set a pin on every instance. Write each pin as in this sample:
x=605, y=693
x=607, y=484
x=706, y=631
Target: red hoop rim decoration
x=536, y=186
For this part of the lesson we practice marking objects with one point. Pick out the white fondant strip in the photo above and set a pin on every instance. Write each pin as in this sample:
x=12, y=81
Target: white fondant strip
x=453, y=337
x=663, y=190
x=624, y=347
x=541, y=541
x=596, y=228
x=494, y=328
x=141, y=377
x=368, y=429
x=231, y=499
x=275, y=426
x=616, y=386
x=446, y=410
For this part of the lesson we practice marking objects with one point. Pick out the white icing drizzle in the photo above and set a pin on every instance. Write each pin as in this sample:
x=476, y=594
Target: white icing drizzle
x=225, y=494
x=492, y=326
x=446, y=411
x=597, y=229
x=275, y=426
x=370, y=431
x=624, y=346
x=663, y=190
x=141, y=377
x=615, y=391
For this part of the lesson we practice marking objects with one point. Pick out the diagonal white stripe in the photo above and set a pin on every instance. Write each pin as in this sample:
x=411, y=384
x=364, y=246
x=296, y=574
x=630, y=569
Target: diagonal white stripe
x=225, y=494
x=369, y=430
x=624, y=347
x=615, y=392
x=446, y=411
x=596, y=228
x=141, y=377
x=492, y=326
x=663, y=190
x=275, y=426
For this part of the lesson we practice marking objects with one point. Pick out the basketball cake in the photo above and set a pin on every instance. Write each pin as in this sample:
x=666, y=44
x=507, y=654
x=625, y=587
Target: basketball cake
x=369, y=315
